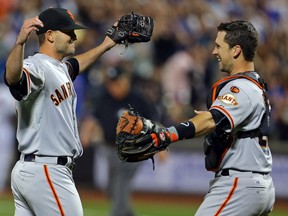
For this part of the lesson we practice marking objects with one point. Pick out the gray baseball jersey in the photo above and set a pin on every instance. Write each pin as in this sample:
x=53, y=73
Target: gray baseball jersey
x=242, y=186
x=48, y=140
x=241, y=101
x=47, y=123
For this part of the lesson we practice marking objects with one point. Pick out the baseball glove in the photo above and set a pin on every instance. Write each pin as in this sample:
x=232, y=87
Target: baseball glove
x=132, y=28
x=138, y=138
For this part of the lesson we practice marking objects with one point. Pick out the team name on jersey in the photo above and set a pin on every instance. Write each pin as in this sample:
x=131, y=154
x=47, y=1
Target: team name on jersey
x=61, y=94
x=228, y=99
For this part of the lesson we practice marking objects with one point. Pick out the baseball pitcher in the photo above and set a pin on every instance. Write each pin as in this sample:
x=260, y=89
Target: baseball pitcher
x=42, y=182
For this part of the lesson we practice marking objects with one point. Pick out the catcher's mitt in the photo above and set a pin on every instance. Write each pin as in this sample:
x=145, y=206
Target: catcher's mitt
x=132, y=28
x=138, y=138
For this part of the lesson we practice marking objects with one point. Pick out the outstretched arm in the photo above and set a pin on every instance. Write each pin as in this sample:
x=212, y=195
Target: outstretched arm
x=131, y=28
x=113, y=36
x=89, y=57
x=14, y=64
x=201, y=124
x=138, y=138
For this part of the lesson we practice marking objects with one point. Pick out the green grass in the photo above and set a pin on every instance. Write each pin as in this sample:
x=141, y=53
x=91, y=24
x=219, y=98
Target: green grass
x=100, y=208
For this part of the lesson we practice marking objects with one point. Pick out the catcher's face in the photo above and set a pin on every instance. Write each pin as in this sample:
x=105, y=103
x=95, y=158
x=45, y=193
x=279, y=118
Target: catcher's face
x=223, y=53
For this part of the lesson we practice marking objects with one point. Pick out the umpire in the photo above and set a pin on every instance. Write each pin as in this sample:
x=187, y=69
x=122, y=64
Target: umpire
x=114, y=97
x=116, y=94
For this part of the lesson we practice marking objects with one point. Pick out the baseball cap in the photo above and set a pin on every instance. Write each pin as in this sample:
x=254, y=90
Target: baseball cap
x=58, y=19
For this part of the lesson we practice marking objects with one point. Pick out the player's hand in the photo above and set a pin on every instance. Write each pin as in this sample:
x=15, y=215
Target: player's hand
x=28, y=26
x=115, y=34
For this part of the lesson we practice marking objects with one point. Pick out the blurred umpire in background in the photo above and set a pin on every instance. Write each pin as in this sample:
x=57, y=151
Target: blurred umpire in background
x=115, y=96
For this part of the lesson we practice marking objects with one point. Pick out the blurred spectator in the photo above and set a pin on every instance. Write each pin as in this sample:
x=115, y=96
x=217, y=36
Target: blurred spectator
x=6, y=8
x=112, y=99
x=7, y=135
x=279, y=101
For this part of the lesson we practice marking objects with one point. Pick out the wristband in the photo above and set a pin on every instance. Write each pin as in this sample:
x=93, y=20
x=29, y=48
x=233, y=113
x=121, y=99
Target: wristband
x=184, y=130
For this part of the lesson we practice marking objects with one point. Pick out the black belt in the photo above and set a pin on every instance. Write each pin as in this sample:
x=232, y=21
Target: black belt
x=61, y=160
x=225, y=172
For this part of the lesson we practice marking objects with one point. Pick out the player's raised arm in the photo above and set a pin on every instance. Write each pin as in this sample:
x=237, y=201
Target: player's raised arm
x=129, y=29
x=113, y=36
x=89, y=57
x=14, y=62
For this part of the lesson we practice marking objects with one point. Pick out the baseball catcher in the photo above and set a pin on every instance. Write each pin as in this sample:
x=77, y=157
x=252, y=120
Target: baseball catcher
x=138, y=138
x=236, y=127
x=132, y=28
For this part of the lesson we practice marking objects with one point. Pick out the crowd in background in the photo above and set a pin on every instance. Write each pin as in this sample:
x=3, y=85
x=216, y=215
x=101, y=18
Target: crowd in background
x=176, y=68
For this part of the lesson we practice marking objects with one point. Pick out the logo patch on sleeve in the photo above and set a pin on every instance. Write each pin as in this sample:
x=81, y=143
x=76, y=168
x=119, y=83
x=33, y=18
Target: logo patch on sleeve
x=235, y=89
x=228, y=99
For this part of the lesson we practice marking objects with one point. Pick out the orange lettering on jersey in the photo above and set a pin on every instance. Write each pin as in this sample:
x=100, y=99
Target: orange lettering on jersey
x=64, y=91
x=69, y=88
x=60, y=97
x=54, y=99
x=228, y=99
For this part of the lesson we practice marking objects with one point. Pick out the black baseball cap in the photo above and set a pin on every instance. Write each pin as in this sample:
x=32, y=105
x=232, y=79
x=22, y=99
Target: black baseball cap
x=58, y=19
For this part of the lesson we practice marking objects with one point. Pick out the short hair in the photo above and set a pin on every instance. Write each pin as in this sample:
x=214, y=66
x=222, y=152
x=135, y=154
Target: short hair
x=41, y=39
x=241, y=33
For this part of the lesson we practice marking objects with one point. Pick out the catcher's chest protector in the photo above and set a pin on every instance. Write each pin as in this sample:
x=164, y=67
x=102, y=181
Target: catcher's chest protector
x=218, y=142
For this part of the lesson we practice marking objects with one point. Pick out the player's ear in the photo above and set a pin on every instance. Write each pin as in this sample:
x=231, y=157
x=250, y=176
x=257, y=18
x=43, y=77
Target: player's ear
x=236, y=51
x=50, y=36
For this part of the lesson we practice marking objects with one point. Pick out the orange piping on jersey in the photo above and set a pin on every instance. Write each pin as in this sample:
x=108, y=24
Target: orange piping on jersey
x=28, y=79
x=228, y=78
x=214, y=94
x=216, y=85
x=227, y=114
x=222, y=156
x=220, y=161
x=228, y=198
x=236, y=76
x=252, y=80
x=53, y=190
x=224, y=153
